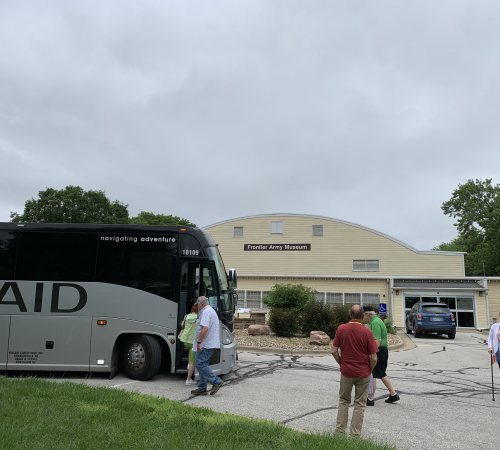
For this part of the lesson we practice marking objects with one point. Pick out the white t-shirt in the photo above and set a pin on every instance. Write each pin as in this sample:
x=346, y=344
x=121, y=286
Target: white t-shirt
x=207, y=317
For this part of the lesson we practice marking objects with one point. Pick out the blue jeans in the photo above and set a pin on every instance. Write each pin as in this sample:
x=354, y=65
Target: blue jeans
x=204, y=371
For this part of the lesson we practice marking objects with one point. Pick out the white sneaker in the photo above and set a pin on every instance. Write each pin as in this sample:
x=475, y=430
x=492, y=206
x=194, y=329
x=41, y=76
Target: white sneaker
x=191, y=382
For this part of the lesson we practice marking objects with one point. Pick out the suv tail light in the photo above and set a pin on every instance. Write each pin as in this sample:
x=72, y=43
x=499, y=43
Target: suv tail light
x=419, y=316
x=453, y=317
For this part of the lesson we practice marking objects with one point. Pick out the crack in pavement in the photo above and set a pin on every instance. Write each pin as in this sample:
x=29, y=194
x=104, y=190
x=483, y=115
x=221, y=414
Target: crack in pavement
x=454, y=388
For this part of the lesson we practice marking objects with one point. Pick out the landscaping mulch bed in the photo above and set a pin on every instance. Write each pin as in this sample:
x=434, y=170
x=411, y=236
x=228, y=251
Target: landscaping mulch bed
x=298, y=342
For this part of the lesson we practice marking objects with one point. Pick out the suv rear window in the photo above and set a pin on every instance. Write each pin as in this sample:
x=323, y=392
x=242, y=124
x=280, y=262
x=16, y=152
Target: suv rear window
x=435, y=310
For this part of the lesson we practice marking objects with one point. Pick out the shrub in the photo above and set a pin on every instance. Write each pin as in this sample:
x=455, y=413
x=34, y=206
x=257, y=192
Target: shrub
x=320, y=317
x=390, y=326
x=316, y=316
x=340, y=316
x=284, y=322
x=286, y=296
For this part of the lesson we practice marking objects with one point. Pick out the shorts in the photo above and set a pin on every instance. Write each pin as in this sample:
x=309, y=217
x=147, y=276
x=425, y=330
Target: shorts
x=192, y=354
x=381, y=367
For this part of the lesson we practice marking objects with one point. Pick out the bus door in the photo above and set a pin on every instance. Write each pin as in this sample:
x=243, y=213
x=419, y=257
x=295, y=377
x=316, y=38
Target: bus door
x=190, y=274
x=209, y=282
x=192, y=288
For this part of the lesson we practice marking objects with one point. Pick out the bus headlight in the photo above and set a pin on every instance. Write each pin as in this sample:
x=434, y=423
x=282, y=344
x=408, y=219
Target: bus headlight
x=227, y=336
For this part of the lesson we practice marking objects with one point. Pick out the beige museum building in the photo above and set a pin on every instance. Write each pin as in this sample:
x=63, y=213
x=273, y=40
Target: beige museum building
x=348, y=263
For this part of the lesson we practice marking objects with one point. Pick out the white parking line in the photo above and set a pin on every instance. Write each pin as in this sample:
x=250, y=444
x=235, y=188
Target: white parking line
x=123, y=384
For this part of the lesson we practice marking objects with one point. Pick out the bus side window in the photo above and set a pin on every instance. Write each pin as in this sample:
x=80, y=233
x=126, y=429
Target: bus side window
x=145, y=265
x=8, y=250
x=56, y=256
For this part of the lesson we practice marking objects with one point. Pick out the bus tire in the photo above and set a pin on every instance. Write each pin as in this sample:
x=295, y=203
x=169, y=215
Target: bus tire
x=141, y=357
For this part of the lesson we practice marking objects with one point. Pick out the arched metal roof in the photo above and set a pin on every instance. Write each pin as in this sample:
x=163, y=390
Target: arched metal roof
x=331, y=219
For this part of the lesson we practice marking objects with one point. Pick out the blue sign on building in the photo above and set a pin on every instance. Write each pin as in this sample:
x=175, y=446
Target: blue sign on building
x=382, y=309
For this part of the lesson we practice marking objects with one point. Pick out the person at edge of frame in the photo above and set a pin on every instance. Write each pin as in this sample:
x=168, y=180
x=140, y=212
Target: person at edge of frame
x=379, y=330
x=357, y=358
x=206, y=341
x=494, y=342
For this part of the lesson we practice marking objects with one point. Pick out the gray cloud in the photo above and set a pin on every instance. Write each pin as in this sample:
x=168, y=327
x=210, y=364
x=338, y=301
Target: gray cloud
x=371, y=112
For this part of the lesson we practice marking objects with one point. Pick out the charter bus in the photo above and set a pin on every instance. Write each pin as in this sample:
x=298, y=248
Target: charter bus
x=99, y=298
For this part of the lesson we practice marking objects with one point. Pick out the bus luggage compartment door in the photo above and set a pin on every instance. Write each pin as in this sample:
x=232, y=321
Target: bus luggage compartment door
x=49, y=343
x=4, y=340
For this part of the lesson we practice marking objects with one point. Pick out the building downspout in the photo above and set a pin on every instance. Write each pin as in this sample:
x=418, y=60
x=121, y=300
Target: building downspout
x=391, y=287
x=485, y=283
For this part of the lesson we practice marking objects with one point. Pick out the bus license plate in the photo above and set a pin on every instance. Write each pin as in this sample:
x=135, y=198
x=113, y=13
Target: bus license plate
x=436, y=319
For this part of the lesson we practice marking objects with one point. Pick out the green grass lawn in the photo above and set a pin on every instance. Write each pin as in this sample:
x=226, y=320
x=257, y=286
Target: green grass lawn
x=39, y=414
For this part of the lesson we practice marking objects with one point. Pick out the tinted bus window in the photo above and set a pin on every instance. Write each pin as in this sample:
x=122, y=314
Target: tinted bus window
x=138, y=261
x=56, y=256
x=8, y=249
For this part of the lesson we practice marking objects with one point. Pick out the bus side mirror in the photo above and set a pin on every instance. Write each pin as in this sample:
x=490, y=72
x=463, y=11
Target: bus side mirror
x=232, y=279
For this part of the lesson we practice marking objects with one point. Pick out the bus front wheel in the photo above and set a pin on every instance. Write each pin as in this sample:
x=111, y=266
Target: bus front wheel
x=141, y=357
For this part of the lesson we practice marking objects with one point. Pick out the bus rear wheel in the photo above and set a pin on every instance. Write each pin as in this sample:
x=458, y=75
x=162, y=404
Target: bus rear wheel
x=141, y=357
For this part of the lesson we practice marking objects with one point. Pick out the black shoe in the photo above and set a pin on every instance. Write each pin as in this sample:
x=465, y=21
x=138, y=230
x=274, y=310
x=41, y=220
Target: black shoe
x=199, y=391
x=216, y=388
x=392, y=398
x=370, y=402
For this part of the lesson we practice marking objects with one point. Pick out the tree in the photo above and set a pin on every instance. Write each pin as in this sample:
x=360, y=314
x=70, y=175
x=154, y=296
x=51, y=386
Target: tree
x=147, y=218
x=287, y=296
x=476, y=204
x=72, y=205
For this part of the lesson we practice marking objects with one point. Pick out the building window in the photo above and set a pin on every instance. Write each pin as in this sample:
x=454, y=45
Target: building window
x=371, y=299
x=277, y=227
x=317, y=230
x=334, y=298
x=365, y=265
x=351, y=298
x=237, y=231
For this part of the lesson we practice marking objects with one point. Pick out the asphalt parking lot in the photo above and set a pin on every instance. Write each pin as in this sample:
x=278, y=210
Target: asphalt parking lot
x=444, y=385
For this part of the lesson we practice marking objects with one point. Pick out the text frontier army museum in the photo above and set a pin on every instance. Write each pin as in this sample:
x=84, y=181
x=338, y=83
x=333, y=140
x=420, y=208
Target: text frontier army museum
x=348, y=263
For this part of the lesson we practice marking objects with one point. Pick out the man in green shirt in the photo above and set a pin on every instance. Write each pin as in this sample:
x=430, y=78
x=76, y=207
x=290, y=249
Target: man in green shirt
x=379, y=330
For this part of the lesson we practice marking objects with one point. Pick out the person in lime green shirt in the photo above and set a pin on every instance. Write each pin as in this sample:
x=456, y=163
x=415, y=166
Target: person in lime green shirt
x=379, y=330
x=187, y=337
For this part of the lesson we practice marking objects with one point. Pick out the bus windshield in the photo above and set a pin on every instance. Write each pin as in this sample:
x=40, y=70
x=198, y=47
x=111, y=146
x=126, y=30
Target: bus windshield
x=214, y=255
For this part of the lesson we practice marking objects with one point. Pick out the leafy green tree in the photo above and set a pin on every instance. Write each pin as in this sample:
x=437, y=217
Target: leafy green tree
x=476, y=205
x=72, y=205
x=147, y=218
x=287, y=296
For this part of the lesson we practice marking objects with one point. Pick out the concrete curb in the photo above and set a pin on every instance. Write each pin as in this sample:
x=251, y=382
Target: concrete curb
x=292, y=352
x=407, y=343
x=284, y=351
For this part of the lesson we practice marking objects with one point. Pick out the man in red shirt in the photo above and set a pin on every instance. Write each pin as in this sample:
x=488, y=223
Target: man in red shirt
x=357, y=358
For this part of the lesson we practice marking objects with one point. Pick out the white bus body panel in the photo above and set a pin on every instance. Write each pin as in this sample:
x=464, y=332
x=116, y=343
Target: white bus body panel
x=127, y=310
x=4, y=341
x=29, y=335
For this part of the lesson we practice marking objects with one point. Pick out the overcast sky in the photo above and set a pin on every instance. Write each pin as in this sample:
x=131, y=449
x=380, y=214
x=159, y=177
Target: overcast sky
x=369, y=111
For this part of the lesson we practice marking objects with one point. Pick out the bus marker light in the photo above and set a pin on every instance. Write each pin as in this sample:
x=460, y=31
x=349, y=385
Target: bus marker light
x=183, y=229
x=100, y=362
x=102, y=322
x=172, y=341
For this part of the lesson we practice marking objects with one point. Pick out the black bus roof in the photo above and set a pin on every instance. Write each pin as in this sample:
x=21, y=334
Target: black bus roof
x=200, y=234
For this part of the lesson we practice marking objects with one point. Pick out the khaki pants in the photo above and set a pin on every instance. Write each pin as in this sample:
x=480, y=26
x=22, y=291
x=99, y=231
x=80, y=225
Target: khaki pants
x=360, y=394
